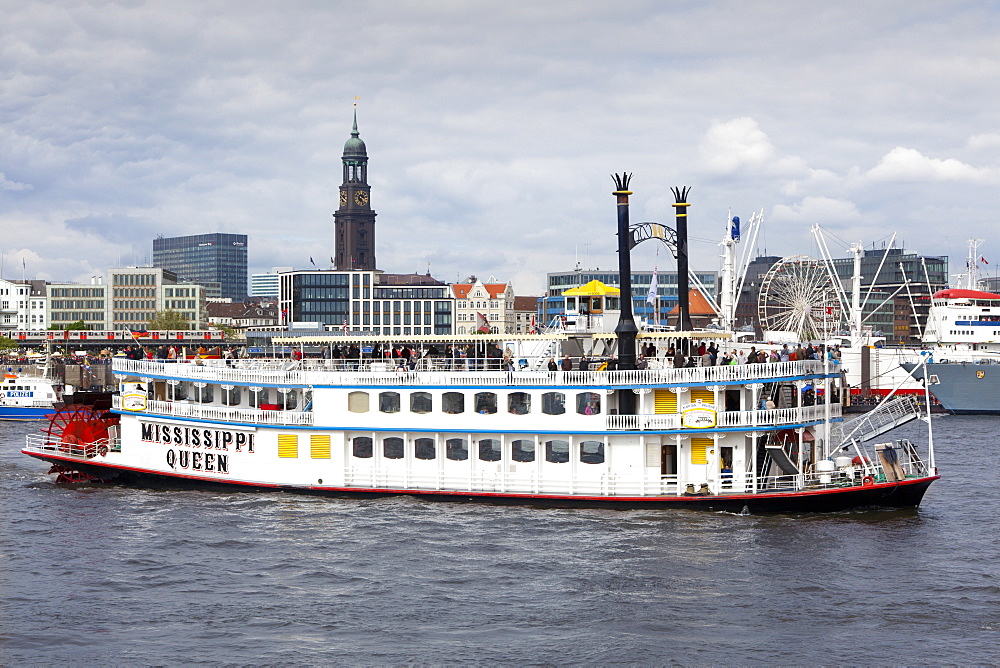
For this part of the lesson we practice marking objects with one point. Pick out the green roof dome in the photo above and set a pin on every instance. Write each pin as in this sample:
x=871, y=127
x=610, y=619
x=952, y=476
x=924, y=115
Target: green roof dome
x=355, y=146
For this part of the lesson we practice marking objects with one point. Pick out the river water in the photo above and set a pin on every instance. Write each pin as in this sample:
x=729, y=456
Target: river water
x=110, y=575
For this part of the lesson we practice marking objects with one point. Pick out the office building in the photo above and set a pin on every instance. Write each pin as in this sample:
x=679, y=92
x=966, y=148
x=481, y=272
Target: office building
x=139, y=293
x=267, y=285
x=216, y=261
x=367, y=301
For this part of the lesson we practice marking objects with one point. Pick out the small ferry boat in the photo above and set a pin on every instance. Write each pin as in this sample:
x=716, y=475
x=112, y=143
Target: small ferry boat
x=495, y=417
x=24, y=397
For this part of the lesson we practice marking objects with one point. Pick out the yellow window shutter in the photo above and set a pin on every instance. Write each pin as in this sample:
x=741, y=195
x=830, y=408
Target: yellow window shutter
x=319, y=446
x=288, y=445
x=699, y=450
x=665, y=402
x=706, y=395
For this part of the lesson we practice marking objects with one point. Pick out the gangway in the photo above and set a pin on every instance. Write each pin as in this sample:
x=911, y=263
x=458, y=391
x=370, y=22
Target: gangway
x=883, y=418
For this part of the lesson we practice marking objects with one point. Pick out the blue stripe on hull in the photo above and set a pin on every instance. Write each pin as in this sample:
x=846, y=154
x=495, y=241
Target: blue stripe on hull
x=18, y=413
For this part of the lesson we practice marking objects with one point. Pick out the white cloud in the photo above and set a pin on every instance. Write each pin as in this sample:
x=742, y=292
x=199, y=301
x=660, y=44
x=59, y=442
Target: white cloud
x=907, y=164
x=733, y=145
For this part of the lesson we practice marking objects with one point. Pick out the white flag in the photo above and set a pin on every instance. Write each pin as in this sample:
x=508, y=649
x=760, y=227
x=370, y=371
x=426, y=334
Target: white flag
x=653, y=289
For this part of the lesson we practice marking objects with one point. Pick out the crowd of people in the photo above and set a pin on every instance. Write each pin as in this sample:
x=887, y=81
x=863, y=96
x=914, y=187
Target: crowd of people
x=712, y=355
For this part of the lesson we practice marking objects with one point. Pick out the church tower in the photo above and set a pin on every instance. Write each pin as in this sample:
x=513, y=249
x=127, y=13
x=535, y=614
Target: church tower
x=354, y=221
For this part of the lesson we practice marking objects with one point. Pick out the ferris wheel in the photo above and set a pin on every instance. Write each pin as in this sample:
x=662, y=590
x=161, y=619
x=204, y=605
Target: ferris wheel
x=798, y=296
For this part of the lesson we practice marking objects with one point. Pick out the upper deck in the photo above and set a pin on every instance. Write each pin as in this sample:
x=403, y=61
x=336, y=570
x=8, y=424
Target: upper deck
x=439, y=373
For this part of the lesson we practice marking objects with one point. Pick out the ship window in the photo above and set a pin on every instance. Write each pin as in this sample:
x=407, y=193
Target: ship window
x=420, y=402
x=357, y=402
x=388, y=402
x=392, y=448
x=553, y=403
x=453, y=403
x=557, y=451
x=179, y=391
x=588, y=403
x=486, y=403
x=522, y=450
x=231, y=397
x=423, y=448
x=457, y=449
x=518, y=403
x=362, y=447
x=489, y=450
x=258, y=398
x=205, y=394
x=290, y=400
x=592, y=452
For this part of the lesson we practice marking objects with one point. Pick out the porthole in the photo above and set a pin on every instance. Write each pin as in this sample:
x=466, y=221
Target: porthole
x=457, y=449
x=392, y=447
x=518, y=403
x=557, y=451
x=486, y=403
x=592, y=452
x=423, y=448
x=357, y=402
x=553, y=403
x=388, y=402
x=522, y=450
x=420, y=402
x=489, y=450
x=362, y=447
x=453, y=403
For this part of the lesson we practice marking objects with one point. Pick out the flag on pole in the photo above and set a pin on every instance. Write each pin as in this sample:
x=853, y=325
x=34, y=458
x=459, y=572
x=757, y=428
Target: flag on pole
x=483, y=323
x=533, y=326
x=654, y=289
x=734, y=230
x=312, y=261
x=344, y=326
x=983, y=260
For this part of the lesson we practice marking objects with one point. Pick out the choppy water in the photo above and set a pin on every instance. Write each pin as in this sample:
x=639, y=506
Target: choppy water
x=106, y=575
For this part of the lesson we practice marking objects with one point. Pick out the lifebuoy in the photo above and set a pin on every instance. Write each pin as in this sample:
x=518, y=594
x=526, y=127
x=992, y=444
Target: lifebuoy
x=102, y=449
x=868, y=481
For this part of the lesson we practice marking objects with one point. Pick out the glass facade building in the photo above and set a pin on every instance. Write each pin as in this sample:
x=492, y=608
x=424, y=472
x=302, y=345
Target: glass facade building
x=355, y=299
x=554, y=304
x=217, y=261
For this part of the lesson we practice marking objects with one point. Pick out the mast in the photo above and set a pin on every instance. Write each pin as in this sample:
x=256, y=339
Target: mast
x=972, y=281
x=728, y=297
x=856, y=309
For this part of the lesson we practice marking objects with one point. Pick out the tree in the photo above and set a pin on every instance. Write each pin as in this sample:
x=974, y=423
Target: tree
x=7, y=345
x=227, y=331
x=169, y=319
x=78, y=325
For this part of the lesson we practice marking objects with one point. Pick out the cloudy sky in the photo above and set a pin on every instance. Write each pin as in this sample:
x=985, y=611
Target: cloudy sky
x=493, y=127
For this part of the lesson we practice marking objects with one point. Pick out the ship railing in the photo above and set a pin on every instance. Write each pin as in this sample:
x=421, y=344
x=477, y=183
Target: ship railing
x=221, y=413
x=368, y=372
x=515, y=483
x=531, y=482
x=777, y=416
x=50, y=445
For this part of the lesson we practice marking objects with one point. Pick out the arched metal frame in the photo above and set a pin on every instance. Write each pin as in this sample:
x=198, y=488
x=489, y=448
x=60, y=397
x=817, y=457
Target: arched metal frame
x=644, y=231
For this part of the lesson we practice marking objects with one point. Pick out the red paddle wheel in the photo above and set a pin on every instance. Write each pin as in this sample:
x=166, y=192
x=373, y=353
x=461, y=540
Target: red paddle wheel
x=79, y=430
